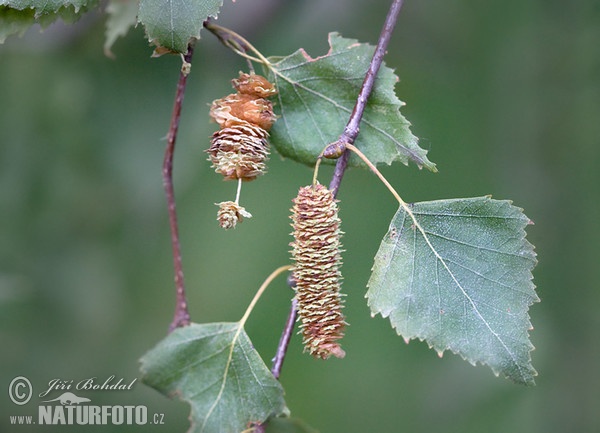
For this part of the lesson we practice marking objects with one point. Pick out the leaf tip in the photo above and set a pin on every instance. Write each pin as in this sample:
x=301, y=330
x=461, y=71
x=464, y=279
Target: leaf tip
x=431, y=167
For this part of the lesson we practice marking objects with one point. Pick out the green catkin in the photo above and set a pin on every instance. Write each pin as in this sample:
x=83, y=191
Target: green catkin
x=317, y=259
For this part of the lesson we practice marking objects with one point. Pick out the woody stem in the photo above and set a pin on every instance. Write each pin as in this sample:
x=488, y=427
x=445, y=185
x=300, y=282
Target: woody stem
x=181, y=316
x=352, y=127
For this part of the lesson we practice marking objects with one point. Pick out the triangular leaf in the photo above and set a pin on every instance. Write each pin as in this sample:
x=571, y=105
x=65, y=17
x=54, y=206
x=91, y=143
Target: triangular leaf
x=459, y=276
x=171, y=24
x=317, y=95
x=216, y=369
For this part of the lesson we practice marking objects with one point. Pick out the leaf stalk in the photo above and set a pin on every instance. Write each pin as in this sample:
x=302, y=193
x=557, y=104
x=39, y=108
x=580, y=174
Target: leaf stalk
x=236, y=43
x=261, y=290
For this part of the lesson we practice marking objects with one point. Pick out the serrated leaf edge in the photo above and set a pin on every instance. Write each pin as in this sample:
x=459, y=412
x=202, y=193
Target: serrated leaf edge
x=440, y=352
x=396, y=103
x=62, y=8
x=226, y=330
x=160, y=49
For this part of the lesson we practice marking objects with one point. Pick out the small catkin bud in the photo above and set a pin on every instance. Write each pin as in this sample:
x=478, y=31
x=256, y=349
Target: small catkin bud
x=317, y=259
x=239, y=151
x=252, y=84
x=230, y=213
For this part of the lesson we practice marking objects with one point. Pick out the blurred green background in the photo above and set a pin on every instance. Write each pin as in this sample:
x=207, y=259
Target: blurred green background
x=504, y=94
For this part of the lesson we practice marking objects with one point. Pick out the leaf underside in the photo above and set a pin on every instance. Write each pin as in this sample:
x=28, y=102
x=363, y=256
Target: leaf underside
x=462, y=283
x=172, y=25
x=317, y=95
x=16, y=16
x=218, y=372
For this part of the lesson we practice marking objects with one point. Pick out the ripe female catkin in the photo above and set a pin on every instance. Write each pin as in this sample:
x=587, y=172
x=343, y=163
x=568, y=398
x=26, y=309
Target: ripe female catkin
x=240, y=149
x=316, y=253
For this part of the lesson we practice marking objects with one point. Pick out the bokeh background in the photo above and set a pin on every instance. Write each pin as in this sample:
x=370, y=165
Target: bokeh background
x=504, y=94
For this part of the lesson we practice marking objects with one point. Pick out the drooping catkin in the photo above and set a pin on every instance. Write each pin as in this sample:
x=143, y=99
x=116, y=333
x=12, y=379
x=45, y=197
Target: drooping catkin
x=317, y=259
x=240, y=149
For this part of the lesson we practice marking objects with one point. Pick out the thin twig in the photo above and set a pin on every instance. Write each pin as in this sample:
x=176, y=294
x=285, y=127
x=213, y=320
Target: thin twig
x=181, y=316
x=348, y=136
x=352, y=127
x=284, y=341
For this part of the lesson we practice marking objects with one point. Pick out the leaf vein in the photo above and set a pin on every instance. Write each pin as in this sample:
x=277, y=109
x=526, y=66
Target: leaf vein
x=506, y=286
x=456, y=215
x=474, y=246
x=467, y=298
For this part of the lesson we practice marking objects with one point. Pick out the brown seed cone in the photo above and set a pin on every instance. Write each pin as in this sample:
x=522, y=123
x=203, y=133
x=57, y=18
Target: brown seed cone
x=230, y=213
x=237, y=108
x=220, y=109
x=316, y=253
x=257, y=111
x=240, y=151
x=252, y=84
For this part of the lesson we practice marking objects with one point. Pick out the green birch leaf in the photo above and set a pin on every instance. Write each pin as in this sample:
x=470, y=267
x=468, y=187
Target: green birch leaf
x=41, y=7
x=173, y=24
x=122, y=15
x=317, y=95
x=215, y=368
x=16, y=16
x=461, y=280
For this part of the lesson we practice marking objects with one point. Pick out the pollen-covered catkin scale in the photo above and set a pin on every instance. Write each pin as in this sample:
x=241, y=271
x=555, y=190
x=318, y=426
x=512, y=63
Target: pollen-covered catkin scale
x=317, y=259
